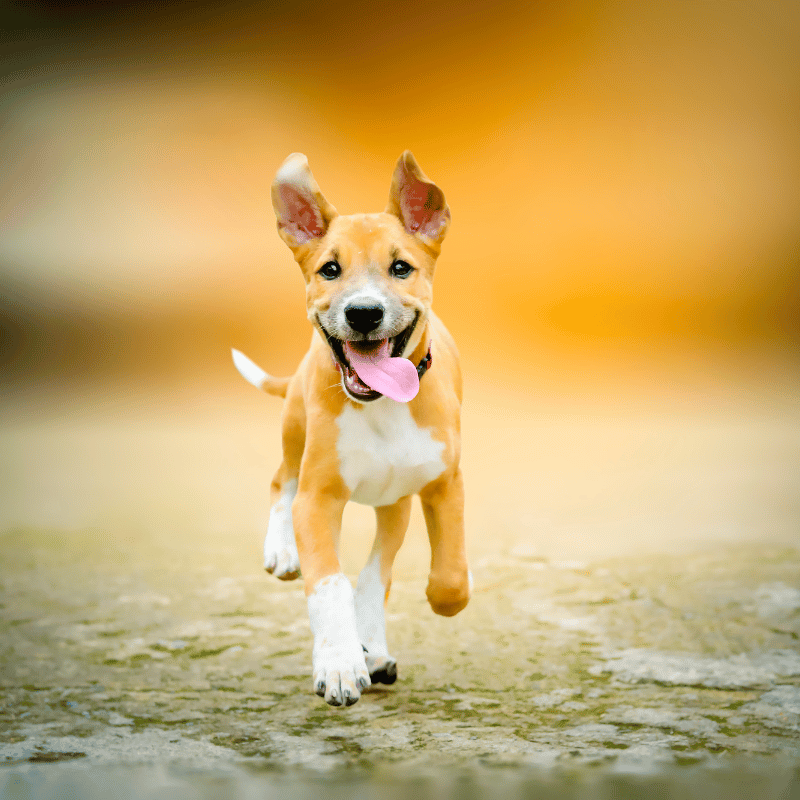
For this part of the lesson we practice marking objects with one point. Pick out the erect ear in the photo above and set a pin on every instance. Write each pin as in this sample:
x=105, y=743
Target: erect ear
x=303, y=212
x=418, y=201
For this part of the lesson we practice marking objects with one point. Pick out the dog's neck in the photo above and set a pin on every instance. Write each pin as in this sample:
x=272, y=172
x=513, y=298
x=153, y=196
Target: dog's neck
x=420, y=352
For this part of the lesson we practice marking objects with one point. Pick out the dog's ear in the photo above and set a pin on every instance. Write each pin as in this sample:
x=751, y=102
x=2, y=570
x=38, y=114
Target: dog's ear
x=303, y=212
x=418, y=201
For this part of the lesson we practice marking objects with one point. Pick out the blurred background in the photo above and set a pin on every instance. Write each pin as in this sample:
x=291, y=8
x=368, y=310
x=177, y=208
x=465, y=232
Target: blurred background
x=621, y=274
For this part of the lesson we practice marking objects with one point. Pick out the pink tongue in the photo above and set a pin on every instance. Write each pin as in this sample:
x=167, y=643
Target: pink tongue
x=394, y=377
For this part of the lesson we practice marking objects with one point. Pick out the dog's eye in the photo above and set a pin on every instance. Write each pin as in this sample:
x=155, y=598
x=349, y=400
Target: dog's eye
x=330, y=271
x=400, y=269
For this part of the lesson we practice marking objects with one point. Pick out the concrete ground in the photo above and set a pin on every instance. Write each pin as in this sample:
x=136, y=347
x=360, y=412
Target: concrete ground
x=636, y=607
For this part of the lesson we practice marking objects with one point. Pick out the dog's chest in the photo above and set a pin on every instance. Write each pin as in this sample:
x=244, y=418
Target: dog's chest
x=383, y=454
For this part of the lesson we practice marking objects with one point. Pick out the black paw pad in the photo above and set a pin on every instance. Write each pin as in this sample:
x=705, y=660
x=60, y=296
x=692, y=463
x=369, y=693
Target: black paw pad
x=386, y=675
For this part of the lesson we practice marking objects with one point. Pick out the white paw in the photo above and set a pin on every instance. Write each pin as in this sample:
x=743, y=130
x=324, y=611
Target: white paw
x=280, y=548
x=281, y=559
x=340, y=673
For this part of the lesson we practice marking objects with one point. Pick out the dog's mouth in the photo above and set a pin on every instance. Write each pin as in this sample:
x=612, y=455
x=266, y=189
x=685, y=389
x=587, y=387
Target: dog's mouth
x=353, y=385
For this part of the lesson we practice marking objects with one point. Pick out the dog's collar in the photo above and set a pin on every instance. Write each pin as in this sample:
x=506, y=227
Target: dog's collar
x=425, y=364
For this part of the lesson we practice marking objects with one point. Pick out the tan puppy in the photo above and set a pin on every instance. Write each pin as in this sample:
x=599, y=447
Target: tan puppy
x=368, y=291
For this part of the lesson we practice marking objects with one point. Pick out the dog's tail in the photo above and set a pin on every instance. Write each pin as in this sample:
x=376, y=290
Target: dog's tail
x=252, y=373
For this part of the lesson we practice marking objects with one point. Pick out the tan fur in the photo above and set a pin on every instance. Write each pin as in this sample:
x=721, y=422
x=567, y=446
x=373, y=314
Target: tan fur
x=275, y=386
x=365, y=244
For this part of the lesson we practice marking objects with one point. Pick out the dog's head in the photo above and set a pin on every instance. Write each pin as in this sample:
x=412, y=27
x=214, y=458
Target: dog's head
x=369, y=277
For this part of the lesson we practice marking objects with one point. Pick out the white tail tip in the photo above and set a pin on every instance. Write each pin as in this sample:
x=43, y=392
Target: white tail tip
x=251, y=372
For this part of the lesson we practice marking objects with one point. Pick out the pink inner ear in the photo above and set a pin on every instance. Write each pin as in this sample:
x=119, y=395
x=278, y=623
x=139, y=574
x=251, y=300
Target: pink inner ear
x=301, y=215
x=421, y=205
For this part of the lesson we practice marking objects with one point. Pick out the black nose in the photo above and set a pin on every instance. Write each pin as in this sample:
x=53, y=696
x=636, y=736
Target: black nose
x=364, y=318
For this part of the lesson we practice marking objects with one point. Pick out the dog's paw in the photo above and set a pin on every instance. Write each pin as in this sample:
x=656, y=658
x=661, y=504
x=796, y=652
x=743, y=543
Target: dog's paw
x=281, y=560
x=382, y=667
x=384, y=671
x=340, y=675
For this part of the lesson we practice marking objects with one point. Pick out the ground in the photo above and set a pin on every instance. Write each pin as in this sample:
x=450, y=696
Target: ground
x=636, y=604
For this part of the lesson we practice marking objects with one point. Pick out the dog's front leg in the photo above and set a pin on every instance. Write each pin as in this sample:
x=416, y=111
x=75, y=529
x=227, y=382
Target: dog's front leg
x=340, y=671
x=449, y=580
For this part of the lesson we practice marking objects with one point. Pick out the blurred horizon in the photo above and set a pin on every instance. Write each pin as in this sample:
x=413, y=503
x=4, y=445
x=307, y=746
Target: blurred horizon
x=621, y=273
x=624, y=181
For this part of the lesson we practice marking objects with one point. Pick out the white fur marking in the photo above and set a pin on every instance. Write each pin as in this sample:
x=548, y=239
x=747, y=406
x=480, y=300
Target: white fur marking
x=280, y=548
x=383, y=454
x=293, y=170
x=370, y=621
x=340, y=672
x=368, y=296
x=250, y=371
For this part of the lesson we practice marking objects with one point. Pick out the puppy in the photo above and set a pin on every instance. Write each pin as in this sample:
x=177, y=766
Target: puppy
x=371, y=415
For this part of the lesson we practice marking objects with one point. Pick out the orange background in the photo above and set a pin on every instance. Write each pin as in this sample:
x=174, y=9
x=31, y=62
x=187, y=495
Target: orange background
x=623, y=178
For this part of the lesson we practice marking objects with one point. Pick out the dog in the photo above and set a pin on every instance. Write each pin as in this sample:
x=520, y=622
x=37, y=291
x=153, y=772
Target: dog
x=372, y=415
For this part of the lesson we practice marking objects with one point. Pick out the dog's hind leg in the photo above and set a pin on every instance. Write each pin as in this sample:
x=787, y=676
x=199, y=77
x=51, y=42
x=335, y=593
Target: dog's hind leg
x=280, y=544
x=372, y=590
x=280, y=548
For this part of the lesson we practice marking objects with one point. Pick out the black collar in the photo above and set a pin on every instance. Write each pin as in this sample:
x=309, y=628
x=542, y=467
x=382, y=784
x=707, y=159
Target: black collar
x=425, y=364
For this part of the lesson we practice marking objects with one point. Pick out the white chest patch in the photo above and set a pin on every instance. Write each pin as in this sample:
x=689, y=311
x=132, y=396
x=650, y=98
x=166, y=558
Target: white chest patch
x=383, y=454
